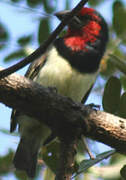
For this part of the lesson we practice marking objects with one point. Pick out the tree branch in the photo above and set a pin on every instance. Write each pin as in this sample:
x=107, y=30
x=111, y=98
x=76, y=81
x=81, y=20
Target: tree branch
x=66, y=160
x=61, y=113
x=42, y=49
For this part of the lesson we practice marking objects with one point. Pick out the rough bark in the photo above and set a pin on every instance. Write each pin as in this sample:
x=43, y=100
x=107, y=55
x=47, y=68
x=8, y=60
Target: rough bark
x=61, y=113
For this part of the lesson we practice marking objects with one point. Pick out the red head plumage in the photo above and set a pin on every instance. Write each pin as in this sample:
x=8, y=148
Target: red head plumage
x=85, y=41
x=77, y=39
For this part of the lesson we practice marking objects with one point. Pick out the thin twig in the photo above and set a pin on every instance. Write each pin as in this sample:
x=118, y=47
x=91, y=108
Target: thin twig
x=42, y=49
x=26, y=8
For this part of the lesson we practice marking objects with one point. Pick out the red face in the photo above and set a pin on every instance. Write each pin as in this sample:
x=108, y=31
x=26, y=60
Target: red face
x=77, y=39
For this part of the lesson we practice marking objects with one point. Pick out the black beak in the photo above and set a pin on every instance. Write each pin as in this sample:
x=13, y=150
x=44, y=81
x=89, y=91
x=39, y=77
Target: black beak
x=74, y=23
x=62, y=14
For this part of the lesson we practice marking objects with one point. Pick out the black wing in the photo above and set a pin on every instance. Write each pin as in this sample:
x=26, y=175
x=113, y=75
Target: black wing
x=31, y=73
x=86, y=95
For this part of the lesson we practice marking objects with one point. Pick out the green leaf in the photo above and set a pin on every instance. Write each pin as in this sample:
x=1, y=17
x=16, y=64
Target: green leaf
x=108, y=68
x=67, y=4
x=120, y=64
x=85, y=164
x=15, y=1
x=21, y=175
x=33, y=3
x=3, y=33
x=5, y=131
x=44, y=30
x=117, y=159
x=122, y=106
x=3, y=36
x=23, y=41
x=47, y=6
x=95, y=2
x=123, y=172
x=123, y=81
x=111, y=96
x=48, y=174
x=119, y=18
x=6, y=162
x=15, y=55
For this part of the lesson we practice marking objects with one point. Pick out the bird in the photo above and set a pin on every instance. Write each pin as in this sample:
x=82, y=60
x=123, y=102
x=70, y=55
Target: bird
x=71, y=65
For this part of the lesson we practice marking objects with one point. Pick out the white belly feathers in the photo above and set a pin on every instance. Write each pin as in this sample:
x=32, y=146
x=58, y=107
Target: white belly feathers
x=58, y=73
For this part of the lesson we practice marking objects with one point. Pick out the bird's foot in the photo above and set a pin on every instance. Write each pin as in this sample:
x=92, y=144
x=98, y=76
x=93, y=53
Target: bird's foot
x=87, y=148
x=93, y=106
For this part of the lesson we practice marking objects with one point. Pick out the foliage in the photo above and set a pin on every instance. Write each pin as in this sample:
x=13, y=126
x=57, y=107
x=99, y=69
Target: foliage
x=113, y=64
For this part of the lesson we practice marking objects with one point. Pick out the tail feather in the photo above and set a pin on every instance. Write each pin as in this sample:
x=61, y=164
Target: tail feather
x=26, y=156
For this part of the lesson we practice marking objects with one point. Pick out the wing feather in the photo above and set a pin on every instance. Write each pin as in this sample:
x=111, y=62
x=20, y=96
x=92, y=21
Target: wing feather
x=31, y=74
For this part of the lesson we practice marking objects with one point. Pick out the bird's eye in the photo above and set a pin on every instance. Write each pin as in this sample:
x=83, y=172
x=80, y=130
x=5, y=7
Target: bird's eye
x=85, y=19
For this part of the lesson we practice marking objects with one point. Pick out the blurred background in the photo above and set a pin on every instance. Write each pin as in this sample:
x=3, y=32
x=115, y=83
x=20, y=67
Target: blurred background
x=24, y=25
